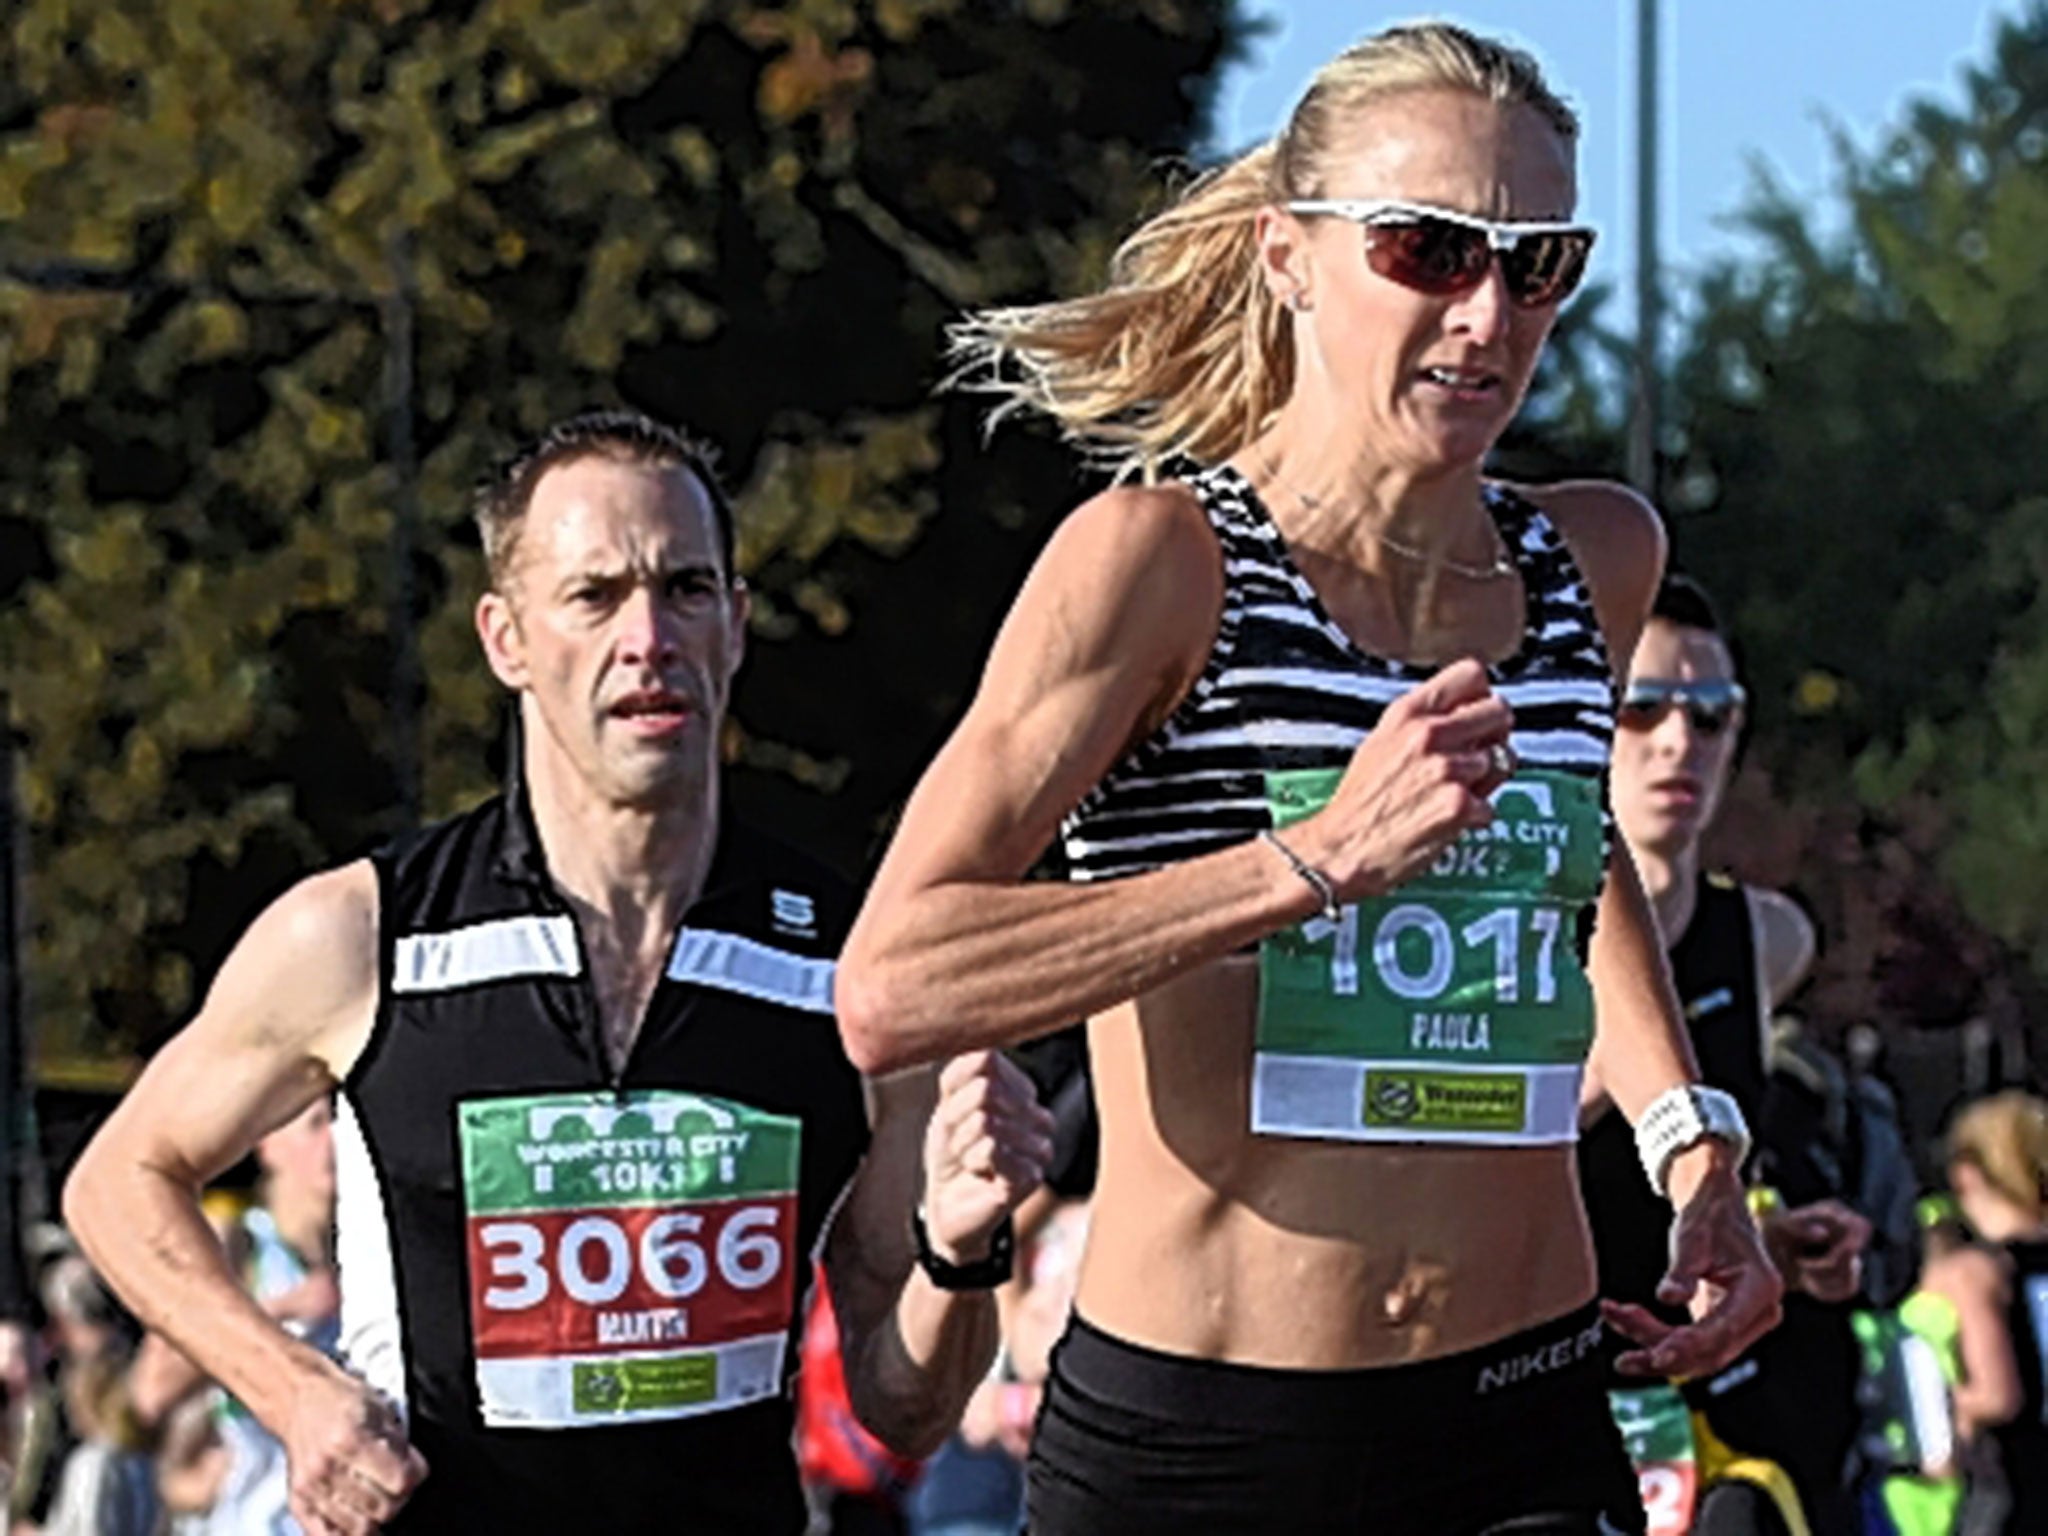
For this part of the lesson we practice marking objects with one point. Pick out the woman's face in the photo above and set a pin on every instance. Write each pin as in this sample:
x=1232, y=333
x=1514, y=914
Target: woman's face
x=1431, y=382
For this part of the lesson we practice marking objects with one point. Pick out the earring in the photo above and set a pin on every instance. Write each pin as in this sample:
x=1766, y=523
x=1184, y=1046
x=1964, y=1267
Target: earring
x=1298, y=301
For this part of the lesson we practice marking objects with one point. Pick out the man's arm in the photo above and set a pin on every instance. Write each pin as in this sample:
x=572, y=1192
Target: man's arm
x=915, y=1353
x=286, y=1017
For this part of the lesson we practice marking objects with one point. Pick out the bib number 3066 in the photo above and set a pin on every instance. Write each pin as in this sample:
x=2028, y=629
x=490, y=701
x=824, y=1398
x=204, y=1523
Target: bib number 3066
x=595, y=1259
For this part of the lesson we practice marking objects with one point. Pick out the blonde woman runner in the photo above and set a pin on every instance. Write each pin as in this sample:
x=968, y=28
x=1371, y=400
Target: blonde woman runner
x=1322, y=716
x=1998, y=1168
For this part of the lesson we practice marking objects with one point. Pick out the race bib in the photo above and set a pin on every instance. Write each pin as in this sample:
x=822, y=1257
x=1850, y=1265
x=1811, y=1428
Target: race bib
x=632, y=1256
x=1454, y=1008
x=1657, y=1429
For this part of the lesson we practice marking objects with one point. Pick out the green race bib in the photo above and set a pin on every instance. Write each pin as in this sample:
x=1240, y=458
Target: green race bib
x=1452, y=1009
x=631, y=1257
x=1656, y=1427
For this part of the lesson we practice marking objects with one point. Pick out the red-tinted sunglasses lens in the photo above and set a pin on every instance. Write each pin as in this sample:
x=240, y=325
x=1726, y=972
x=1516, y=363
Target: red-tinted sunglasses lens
x=1432, y=256
x=1444, y=259
x=1545, y=269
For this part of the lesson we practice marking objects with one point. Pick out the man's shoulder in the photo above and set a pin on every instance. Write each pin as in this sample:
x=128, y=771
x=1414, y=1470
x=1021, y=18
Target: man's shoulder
x=482, y=824
x=1785, y=937
x=767, y=888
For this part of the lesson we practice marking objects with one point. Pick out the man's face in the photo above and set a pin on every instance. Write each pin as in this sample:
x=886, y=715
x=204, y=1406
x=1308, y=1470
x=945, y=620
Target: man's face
x=618, y=622
x=1670, y=763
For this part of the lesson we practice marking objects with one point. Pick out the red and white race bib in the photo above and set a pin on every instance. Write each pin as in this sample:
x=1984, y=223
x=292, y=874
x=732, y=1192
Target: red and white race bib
x=632, y=1257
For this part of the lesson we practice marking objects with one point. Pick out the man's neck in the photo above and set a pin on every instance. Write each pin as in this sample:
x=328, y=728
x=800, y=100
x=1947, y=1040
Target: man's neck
x=638, y=868
x=1672, y=884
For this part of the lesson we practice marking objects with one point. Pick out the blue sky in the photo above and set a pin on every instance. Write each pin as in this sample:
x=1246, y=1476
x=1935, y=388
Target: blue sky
x=1741, y=79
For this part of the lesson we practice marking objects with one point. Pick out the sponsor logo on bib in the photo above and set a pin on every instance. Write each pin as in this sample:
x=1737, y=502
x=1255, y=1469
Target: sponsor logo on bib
x=1445, y=1101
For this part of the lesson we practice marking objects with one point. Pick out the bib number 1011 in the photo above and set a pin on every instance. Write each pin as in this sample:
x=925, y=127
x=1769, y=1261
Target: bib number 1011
x=1417, y=955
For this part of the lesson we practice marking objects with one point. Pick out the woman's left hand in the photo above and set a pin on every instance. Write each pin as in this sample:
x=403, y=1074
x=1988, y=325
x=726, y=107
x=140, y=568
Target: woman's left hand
x=1719, y=1270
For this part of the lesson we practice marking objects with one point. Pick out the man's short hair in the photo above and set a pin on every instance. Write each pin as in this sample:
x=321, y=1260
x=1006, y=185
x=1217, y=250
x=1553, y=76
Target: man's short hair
x=1682, y=601
x=627, y=437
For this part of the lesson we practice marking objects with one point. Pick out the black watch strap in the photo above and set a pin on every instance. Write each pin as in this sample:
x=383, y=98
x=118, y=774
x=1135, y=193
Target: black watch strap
x=981, y=1275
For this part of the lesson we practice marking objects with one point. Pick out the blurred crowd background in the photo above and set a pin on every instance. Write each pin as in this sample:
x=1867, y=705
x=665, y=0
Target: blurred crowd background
x=279, y=278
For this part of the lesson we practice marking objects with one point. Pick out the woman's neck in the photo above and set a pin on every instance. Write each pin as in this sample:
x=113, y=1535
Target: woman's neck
x=1339, y=499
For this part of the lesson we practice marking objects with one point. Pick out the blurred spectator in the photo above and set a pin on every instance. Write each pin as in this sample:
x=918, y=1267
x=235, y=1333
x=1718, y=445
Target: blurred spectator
x=853, y=1483
x=39, y=1433
x=1947, y=1311
x=1825, y=1139
x=282, y=1247
x=107, y=1483
x=1998, y=1167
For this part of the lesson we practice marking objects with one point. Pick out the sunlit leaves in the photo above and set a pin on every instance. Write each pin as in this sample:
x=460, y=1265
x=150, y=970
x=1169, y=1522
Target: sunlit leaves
x=750, y=217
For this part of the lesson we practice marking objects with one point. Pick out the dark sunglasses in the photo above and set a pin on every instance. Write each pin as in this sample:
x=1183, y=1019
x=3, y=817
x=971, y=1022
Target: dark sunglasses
x=1443, y=253
x=1711, y=705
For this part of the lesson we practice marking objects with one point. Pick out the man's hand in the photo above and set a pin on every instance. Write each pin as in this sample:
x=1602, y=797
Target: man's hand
x=1718, y=1269
x=1818, y=1248
x=351, y=1468
x=986, y=1148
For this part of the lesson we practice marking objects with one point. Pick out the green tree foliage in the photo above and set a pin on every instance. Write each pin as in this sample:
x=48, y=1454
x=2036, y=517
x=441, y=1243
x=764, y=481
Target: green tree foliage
x=753, y=218
x=1863, y=461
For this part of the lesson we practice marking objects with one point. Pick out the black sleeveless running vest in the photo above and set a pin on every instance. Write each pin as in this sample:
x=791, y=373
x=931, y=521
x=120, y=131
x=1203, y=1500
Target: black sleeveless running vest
x=1713, y=970
x=2022, y=1441
x=597, y=1248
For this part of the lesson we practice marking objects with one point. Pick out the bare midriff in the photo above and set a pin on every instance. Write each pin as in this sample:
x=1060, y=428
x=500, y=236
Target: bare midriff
x=1211, y=1242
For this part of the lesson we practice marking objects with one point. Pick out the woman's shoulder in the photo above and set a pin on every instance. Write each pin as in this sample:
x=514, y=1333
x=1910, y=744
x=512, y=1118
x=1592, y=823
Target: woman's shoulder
x=1605, y=523
x=1617, y=541
x=1144, y=543
x=1133, y=575
x=1163, y=517
x=1972, y=1269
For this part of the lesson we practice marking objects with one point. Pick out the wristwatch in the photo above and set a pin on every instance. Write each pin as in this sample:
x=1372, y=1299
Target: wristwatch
x=1682, y=1117
x=981, y=1274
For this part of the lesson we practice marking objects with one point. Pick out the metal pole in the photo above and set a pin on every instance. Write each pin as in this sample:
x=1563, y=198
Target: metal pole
x=1643, y=425
x=19, y=1164
x=398, y=310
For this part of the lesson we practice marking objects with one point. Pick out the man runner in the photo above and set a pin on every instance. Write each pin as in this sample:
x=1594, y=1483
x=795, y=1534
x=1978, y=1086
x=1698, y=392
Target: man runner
x=593, y=1115
x=1736, y=953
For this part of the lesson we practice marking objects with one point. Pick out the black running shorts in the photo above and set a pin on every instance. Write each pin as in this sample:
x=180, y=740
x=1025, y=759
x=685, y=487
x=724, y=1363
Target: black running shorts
x=1514, y=1439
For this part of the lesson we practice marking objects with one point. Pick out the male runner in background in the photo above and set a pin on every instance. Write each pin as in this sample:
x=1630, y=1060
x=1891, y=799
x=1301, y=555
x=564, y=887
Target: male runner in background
x=593, y=1115
x=1736, y=953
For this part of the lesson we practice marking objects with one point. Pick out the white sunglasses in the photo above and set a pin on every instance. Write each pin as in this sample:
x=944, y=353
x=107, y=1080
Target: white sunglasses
x=1444, y=253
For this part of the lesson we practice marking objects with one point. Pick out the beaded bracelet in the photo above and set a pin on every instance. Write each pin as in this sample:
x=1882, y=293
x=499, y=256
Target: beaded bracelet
x=1326, y=893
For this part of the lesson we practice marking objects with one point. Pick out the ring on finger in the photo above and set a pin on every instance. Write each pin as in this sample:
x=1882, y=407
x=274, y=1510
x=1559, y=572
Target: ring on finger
x=1500, y=759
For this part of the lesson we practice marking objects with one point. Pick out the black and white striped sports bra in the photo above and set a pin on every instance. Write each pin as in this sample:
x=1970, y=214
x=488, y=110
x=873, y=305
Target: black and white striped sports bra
x=1284, y=687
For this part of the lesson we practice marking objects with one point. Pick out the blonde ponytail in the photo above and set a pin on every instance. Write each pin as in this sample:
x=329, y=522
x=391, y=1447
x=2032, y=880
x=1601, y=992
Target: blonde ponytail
x=1185, y=352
